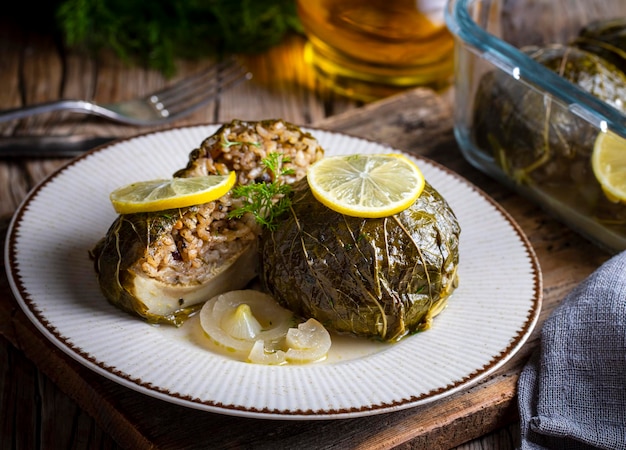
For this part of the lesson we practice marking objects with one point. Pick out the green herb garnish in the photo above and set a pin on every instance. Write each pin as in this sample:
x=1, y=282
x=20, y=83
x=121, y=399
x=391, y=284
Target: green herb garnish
x=266, y=201
x=160, y=31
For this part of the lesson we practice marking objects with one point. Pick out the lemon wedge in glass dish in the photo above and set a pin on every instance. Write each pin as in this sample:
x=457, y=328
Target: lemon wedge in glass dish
x=608, y=162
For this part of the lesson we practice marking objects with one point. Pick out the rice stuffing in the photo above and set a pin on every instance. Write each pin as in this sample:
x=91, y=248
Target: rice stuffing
x=162, y=265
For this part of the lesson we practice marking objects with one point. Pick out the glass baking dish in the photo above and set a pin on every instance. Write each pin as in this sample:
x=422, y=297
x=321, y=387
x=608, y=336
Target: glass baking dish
x=523, y=123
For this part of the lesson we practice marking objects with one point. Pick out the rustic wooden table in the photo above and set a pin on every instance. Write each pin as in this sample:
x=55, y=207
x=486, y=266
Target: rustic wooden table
x=50, y=401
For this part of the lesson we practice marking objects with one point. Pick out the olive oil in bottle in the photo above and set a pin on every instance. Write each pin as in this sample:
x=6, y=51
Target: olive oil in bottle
x=370, y=49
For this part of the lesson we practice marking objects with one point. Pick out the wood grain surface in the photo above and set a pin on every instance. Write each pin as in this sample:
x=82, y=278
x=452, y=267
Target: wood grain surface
x=36, y=412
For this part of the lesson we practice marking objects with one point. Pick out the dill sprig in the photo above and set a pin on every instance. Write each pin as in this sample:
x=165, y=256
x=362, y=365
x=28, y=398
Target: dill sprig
x=266, y=201
x=159, y=32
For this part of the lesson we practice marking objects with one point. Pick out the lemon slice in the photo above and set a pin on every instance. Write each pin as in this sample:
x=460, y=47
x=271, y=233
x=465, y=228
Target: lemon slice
x=159, y=195
x=608, y=162
x=368, y=186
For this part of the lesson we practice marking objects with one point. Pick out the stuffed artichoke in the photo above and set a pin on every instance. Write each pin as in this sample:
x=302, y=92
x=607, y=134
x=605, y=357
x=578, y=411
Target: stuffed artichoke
x=164, y=265
x=381, y=278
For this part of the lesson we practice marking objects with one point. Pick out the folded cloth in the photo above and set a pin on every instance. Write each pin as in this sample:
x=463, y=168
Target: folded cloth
x=572, y=392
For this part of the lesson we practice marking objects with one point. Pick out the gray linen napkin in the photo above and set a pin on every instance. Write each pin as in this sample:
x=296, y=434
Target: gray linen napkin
x=572, y=392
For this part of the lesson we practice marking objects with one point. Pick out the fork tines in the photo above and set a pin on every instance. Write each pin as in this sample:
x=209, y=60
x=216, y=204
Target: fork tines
x=198, y=89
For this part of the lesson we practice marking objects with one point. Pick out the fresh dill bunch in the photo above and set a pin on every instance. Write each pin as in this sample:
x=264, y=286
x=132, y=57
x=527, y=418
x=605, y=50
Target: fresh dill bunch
x=159, y=32
x=266, y=201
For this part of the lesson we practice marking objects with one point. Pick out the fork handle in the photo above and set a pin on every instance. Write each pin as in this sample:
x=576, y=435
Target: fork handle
x=82, y=106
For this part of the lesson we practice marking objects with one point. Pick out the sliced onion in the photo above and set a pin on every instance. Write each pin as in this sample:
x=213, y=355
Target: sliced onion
x=261, y=355
x=241, y=323
x=221, y=318
x=308, y=343
x=254, y=326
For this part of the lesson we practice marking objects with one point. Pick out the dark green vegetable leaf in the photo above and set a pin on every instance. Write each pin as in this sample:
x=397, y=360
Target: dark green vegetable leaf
x=607, y=39
x=534, y=138
x=115, y=255
x=380, y=278
x=538, y=141
x=169, y=290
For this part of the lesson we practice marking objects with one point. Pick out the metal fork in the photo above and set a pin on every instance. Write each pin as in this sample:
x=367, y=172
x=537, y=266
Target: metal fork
x=159, y=107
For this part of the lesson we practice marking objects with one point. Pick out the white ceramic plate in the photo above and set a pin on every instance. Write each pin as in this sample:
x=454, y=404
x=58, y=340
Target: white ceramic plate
x=488, y=318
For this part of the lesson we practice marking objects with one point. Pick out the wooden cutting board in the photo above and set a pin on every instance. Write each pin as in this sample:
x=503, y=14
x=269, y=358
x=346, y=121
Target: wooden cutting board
x=419, y=122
